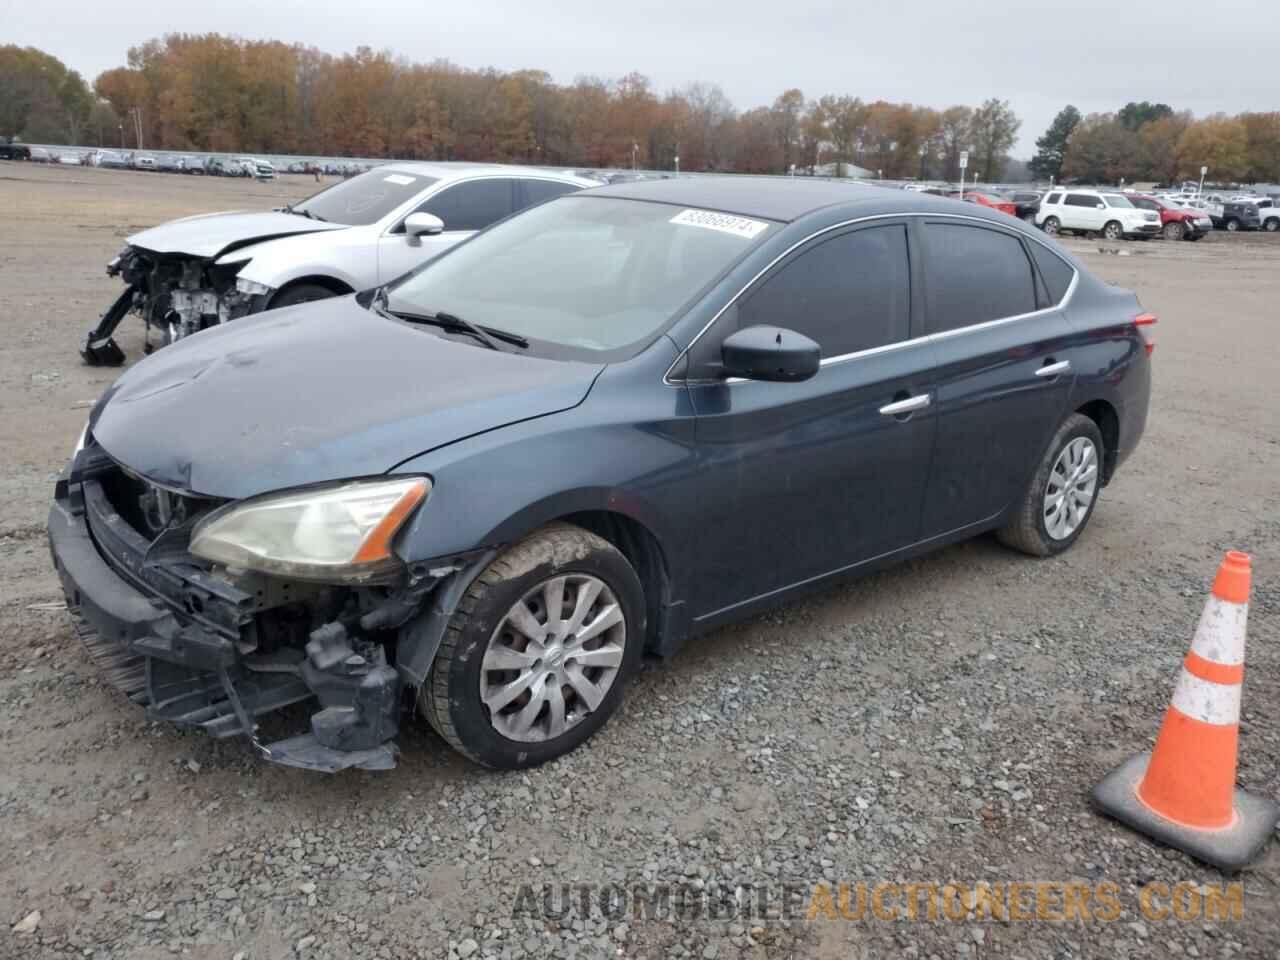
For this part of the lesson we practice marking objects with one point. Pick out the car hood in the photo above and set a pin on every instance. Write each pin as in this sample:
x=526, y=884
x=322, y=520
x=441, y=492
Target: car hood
x=320, y=392
x=211, y=234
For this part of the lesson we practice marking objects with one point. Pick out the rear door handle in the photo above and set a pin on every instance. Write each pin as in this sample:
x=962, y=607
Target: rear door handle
x=1052, y=369
x=909, y=405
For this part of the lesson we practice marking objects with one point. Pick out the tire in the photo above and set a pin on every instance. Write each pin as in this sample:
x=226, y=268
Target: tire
x=1029, y=218
x=452, y=698
x=1113, y=231
x=1028, y=530
x=1272, y=225
x=301, y=293
x=1232, y=224
x=1174, y=230
x=1051, y=226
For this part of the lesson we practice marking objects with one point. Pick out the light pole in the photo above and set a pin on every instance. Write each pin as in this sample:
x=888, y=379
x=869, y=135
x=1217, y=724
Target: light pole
x=635, y=152
x=677, y=164
x=120, y=127
x=1203, y=171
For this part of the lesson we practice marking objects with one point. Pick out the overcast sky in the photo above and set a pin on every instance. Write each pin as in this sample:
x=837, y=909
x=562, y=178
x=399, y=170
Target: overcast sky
x=926, y=52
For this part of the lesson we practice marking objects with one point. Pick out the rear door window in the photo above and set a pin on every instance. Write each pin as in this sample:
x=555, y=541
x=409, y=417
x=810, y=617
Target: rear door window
x=1053, y=198
x=473, y=204
x=1081, y=200
x=849, y=293
x=973, y=275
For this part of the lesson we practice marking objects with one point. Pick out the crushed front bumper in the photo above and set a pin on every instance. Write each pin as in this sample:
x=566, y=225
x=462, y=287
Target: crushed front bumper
x=185, y=644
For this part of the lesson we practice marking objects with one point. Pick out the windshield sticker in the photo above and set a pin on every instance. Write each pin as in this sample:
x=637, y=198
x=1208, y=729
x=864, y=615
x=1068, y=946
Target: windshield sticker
x=399, y=179
x=724, y=222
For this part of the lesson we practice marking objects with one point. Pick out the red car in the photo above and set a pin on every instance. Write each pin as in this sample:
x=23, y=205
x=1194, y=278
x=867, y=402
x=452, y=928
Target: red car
x=1176, y=223
x=995, y=201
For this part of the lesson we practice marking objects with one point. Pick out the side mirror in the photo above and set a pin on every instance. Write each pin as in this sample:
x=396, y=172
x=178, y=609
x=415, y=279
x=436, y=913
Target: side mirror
x=769, y=353
x=422, y=224
x=1101, y=206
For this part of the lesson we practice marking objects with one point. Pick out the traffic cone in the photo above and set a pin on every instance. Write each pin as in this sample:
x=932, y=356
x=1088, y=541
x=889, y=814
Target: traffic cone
x=1183, y=792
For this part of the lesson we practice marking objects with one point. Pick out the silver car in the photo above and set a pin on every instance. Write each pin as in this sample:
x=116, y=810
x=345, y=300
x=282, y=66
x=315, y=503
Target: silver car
x=189, y=274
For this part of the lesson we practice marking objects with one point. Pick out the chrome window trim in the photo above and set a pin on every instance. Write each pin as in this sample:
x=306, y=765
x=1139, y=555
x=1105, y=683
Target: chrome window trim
x=884, y=348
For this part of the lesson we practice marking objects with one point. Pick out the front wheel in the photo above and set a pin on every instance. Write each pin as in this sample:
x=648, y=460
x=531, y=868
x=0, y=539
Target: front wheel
x=1052, y=226
x=536, y=656
x=1059, y=501
x=1272, y=225
x=1233, y=225
x=1113, y=231
x=1173, y=230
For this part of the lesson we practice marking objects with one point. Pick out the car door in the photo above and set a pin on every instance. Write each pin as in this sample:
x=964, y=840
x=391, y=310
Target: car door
x=465, y=207
x=1004, y=374
x=1080, y=212
x=798, y=480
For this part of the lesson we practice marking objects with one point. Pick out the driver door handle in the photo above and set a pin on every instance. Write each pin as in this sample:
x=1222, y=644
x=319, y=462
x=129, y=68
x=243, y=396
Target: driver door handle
x=909, y=405
x=1052, y=369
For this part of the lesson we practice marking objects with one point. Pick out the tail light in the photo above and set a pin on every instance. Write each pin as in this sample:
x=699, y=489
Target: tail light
x=1145, y=320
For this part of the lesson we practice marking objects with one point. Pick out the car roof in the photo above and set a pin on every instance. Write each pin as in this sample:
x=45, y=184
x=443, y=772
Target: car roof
x=453, y=170
x=787, y=199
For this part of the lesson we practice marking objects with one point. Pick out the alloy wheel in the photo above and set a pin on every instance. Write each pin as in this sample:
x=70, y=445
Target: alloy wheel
x=553, y=658
x=1073, y=481
x=1112, y=231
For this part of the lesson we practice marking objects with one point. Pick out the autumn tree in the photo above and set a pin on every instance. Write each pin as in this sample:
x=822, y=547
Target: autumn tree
x=1101, y=149
x=1218, y=142
x=788, y=109
x=955, y=126
x=1161, y=146
x=994, y=128
x=41, y=100
x=1262, y=137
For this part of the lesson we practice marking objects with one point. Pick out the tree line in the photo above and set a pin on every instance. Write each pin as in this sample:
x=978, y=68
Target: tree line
x=226, y=94
x=1152, y=141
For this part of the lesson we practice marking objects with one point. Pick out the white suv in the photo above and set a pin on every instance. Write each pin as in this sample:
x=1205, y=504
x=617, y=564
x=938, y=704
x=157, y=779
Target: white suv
x=1088, y=211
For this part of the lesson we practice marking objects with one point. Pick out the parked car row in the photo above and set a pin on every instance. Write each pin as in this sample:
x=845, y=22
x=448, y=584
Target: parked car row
x=489, y=483
x=1116, y=215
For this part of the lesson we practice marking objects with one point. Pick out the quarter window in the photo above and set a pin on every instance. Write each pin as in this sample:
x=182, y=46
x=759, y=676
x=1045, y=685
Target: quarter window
x=973, y=275
x=1053, y=198
x=472, y=205
x=849, y=293
x=1055, y=271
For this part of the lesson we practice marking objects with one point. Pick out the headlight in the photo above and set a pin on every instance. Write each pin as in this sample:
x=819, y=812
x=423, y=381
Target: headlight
x=252, y=288
x=334, y=535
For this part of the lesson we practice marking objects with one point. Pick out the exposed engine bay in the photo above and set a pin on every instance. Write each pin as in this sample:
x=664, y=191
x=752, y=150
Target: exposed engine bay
x=175, y=295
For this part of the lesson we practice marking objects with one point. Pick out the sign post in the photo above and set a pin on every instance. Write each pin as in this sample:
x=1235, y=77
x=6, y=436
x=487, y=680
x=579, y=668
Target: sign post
x=964, y=162
x=1203, y=171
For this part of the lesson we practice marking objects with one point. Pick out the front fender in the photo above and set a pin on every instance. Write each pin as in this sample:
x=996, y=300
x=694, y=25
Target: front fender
x=276, y=263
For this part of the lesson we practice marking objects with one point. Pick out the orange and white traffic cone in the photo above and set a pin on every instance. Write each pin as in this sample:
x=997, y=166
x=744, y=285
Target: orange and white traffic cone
x=1183, y=792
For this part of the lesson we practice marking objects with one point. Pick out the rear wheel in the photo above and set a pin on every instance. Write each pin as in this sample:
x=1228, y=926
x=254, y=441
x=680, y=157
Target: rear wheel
x=1233, y=224
x=1173, y=230
x=302, y=293
x=535, y=659
x=1272, y=225
x=1060, y=498
x=1052, y=225
x=1113, y=230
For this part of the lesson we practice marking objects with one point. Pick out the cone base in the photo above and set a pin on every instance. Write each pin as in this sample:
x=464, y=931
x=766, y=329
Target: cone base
x=1228, y=848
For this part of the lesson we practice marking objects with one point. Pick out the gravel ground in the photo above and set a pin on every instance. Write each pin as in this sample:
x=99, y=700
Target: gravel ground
x=942, y=721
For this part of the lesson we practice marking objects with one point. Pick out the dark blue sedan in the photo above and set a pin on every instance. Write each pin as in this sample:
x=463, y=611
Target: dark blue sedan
x=600, y=427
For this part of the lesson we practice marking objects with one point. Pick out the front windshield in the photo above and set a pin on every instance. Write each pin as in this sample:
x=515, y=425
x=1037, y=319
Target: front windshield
x=591, y=274
x=1115, y=200
x=364, y=199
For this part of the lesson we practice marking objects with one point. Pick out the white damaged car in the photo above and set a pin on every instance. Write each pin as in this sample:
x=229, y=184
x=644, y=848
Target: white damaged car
x=193, y=273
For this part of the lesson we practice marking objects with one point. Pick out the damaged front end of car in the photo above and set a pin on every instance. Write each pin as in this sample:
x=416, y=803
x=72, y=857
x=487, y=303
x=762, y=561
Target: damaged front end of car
x=212, y=614
x=175, y=295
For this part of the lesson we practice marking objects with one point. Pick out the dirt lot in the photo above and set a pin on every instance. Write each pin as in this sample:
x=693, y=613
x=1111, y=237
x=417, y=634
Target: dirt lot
x=943, y=721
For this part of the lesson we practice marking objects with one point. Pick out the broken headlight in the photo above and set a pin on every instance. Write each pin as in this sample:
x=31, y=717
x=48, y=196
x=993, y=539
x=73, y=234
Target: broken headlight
x=251, y=288
x=338, y=534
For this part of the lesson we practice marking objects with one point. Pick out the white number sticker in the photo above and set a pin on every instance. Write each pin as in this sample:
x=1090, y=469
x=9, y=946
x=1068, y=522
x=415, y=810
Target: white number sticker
x=724, y=222
x=399, y=179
